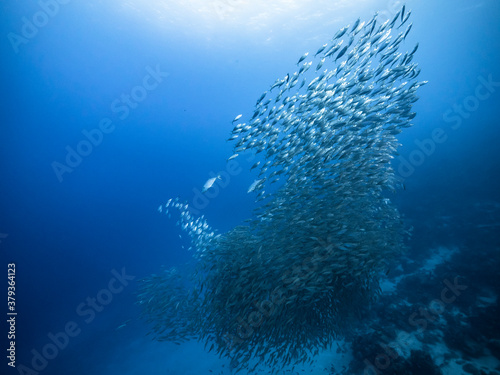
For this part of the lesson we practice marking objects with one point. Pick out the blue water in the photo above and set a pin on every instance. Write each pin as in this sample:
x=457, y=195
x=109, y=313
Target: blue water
x=68, y=229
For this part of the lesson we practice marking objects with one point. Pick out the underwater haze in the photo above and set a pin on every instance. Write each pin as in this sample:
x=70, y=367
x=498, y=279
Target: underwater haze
x=365, y=131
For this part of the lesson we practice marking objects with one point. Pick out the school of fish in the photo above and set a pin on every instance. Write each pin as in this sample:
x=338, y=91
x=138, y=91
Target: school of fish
x=278, y=290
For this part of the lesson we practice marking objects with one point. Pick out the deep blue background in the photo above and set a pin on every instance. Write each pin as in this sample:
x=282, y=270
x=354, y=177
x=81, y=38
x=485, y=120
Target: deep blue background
x=66, y=237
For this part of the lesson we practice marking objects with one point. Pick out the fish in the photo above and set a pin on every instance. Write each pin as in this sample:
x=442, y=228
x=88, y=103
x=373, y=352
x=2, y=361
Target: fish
x=334, y=49
x=122, y=325
x=358, y=28
x=305, y=67
x=253, y=185
x=320, y=64
x=354, y=27
x=395, y=18
x=340, y=33
x=407, y=30
x=341, y=53
x=255, y=165
x=403, y=20
x=324, y=227
x=302, y=58
x=321, y=49
x=210, y=182
x=261, y=98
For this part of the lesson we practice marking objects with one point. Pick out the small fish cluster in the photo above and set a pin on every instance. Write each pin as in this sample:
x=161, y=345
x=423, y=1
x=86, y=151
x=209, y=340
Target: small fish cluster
x=283, y=287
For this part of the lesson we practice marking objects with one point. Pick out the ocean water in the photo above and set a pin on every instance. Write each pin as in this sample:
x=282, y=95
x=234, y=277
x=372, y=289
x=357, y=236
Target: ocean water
x=109, y=109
